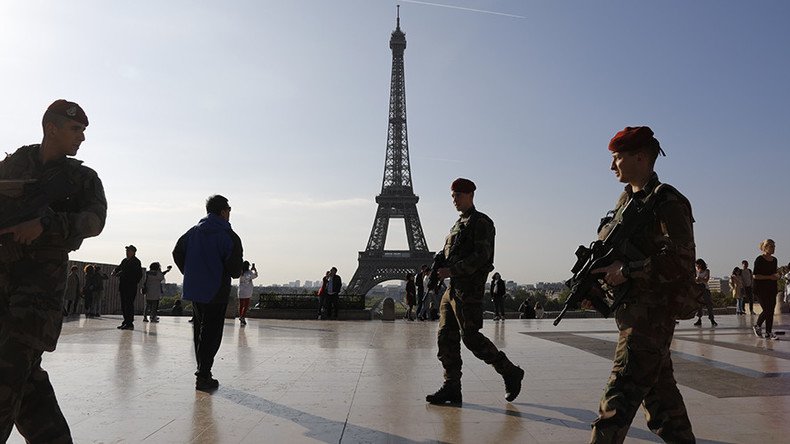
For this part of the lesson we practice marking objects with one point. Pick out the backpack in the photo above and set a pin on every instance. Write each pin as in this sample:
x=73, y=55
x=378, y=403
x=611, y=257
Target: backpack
x=684, y=296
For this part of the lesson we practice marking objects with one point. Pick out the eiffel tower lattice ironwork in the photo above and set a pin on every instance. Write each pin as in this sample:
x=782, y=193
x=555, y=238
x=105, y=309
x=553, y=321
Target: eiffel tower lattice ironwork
x=397, y=199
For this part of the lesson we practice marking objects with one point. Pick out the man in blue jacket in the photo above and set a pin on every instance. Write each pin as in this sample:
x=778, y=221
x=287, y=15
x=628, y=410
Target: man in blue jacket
x=209, y=255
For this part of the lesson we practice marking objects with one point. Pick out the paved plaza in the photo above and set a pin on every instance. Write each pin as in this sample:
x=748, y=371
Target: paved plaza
x=365, y=382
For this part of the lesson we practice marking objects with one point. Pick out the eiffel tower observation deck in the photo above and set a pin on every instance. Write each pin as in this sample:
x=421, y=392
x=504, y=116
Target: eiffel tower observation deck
x=397, y=199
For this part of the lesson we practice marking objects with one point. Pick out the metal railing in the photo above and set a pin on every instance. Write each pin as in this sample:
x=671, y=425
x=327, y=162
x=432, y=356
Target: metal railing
x=292, y=301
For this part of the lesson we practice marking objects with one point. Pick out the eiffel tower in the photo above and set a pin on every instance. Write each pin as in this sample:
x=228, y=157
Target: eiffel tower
x=397, y=199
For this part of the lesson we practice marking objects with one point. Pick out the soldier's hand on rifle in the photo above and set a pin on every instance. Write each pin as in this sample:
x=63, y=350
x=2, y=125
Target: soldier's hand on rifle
x=25, y=232
x=443, y=273
x=613, y=274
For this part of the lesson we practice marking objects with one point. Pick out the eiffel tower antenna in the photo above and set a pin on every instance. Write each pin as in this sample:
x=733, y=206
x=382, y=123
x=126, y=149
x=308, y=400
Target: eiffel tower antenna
x=397, y=199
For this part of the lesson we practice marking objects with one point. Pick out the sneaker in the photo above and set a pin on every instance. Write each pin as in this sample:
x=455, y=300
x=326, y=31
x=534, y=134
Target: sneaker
x=771, y=336
x=145, y=318
x=513, y=383
x=698, y=323
x=206, y=383
x=758, y=331
x=713, y=323
x=243, y=321
x=450, y=393
x=121, y=327
x=156, y=319
x=128, y=327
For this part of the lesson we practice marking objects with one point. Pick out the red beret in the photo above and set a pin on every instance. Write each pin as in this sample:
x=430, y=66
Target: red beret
x=634, y=138
x=461, y=185
x=69, y=110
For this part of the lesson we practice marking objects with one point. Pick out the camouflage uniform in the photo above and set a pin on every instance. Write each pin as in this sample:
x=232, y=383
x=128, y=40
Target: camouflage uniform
x=469, y=250
x=642, y=371
x=32, y=288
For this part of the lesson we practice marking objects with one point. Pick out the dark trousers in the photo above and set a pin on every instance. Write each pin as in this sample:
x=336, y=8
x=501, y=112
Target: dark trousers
x=331, y=305
x=708, y=301
x=27, y=399
x=642, y=374
x=768, y=303
x=151, y=308
x=460, y=321
x=127, y=304
x=207, y=334
x=499, y=306
x=748, y=295
x=420, y=297
x=322, y=305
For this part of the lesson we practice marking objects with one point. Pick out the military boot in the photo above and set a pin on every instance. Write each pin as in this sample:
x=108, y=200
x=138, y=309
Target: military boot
x=513, y=383
x=449, y=393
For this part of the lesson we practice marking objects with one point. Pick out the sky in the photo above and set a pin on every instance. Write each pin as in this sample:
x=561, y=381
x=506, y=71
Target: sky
x=281, y=106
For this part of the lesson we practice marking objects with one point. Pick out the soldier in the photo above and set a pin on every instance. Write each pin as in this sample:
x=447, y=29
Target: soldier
x=33, y=266
x=469, y=253
x=642, y=371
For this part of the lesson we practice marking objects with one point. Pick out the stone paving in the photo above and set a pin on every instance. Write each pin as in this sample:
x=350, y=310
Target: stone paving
x=365, y=382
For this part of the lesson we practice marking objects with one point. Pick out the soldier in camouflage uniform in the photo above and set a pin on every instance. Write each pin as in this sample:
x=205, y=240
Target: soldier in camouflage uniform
x=33, y=266
x=469, y=253
x=642, y=371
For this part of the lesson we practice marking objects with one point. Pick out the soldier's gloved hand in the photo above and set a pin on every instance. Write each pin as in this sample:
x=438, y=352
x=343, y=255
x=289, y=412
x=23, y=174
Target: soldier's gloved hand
x=443, y=273
x=613, y=274
x=25, y=232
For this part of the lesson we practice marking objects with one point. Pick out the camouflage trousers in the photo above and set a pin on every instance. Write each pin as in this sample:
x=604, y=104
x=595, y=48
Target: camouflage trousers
x=642, y=374
x=31, y=300
x=460, y=319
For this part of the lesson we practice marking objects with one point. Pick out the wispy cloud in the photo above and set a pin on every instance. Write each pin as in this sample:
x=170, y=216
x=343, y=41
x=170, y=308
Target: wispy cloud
x=483, y=11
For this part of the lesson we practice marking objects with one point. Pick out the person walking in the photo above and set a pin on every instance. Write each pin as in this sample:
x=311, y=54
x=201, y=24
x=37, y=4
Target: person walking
x=72, y=296
x=642, y=371
x=411, y=296
x=736, y=286
x=93, y=290
x=766, y=288
x=420, y=284
x=35, y=266
x=497, y=292
x=469, y=257
x=129, y=273
x=209, y=255
x=703, y=276
x=748, y=285
x=152, y=289
x=246, y=288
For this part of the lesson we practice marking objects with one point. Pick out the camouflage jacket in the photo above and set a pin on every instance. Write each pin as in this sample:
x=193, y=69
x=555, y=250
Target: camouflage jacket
x=80, y=215
x=667, y=243
x=469, y=248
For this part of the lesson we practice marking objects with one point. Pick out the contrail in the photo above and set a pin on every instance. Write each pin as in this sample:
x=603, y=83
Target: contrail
x=463, y=9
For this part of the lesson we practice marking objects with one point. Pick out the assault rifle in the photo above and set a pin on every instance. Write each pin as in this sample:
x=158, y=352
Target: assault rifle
x=584, y=284
x=26, y=199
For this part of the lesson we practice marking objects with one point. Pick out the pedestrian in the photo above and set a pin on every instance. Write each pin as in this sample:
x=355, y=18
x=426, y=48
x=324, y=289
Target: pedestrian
x=526, y=310
x=642, y=369
x=411, y=296
x=333, y=285
x=323, y=296
x=703, y=276
x=765, y=288
x=34, y=266
x=736, y=286
x=178, y=309
x=748, y=282
x=209, y=255
x=497, y=292
x=420, y=284
x=129, y=273
x=92, y=290
x=73, y=290
x=152, y=290
x=469, y=257
x=245, y=289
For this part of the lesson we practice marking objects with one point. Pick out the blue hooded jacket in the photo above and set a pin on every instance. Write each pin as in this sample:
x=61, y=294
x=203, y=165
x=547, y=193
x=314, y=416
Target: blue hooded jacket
x=209, y=255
